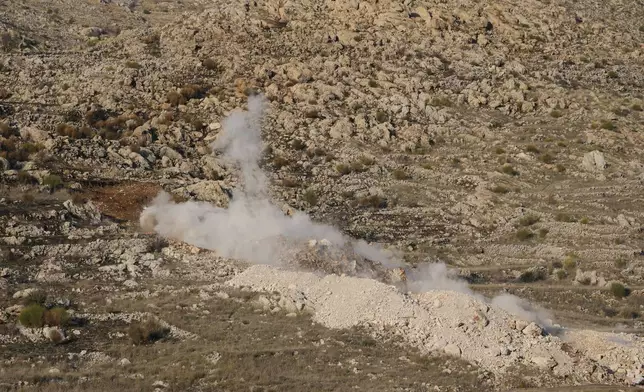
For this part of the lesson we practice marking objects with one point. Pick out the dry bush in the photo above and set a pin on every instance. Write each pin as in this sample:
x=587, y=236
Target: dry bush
x=6, y=130
x=529, y=220
x=52, y=181
x=508, y=169
x=343, y=168
x=210, y=64
x=37, y=297
x=400, y=174
x=4, y=94
x=310, y=197
x=32, y=316
x=524, y=234
x=147, y=331
x=185, y=94
x=26, y=178
x=56, y=317
x=373, y=201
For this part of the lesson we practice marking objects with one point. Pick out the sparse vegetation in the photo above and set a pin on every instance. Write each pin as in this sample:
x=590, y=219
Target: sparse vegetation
x=547, y=159
x=500, y=189
x=564, y=217
x=531, y=148
x=56, y=317
x=543, y=232
x=311, y=197
x=381, y=116
x=621, y=263
x=509, y=170
x=343, y=169
x=607, y=125
x=132, y=64
x=210, y=64
x=147, y=331
x=32, y=316
x=524, y=234
x=529, y=220
x=499, y=151
x=373, y=201
x=618, y=290
x=570, y=262
x=52, y=181
x=556, y=113
x=400, y=174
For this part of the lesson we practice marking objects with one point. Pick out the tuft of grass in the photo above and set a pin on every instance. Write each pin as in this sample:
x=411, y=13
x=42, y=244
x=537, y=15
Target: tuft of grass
x=584, y=220
x=529, y=220
x=32, y=316
x=500, y=189
x=532, y=149
x=607, y=125
x=147, y=331
x=618, y=290
x=556, y=113
x=561, y=274
x=440, y=102
x=499, y=151
x=613, y=74
x=343, y=169
x=210, y=64
x=621, y=263
x=26, y=178
x=400, y=174
x=636, y=107
x=5, y=130
x=547, y=159
x=52, y=181
x=560, y=168
x=570, y=262
x=37, y=297
x=524, y=234
x=298, y=144
x=132, y=64
x=381, y=116
x=508, y=169
x=56, y=317
x=563, y=217
x=279, y=162
x=310, y=197
x=543, y=232
x=373, y=201
x=531, y=275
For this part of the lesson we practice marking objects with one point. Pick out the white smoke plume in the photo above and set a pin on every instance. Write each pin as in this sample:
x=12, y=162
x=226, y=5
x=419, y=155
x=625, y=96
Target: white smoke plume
x=436, y=276
x=252, y=228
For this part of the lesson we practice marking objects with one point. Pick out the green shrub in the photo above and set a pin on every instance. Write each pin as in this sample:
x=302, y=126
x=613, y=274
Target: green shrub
x=32, y=316
x=52, y=181
x=607, y=125
x=570, y=262
x=618, y=290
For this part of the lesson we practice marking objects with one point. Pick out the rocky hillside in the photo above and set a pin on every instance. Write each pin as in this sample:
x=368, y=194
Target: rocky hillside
x=503, y=138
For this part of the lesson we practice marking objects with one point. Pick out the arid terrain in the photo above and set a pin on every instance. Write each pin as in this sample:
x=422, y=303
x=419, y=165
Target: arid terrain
x=493, y=151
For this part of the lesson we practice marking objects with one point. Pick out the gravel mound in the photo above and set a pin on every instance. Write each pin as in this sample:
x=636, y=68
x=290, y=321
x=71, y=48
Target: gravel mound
x=456, y=323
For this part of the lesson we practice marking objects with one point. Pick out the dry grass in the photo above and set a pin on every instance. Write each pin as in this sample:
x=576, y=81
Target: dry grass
x=124, y=201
